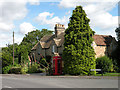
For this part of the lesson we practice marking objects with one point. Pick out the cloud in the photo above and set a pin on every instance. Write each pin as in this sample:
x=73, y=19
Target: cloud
x=97, y=11
x=74, y=3
x=26, y=27
x=7, y=38
x=34, y=2
x=6, y=27
x=67, y=13
x=50, y=19
x=10, y=11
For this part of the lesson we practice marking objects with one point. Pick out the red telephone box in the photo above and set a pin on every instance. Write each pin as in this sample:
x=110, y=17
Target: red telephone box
x=57, y=65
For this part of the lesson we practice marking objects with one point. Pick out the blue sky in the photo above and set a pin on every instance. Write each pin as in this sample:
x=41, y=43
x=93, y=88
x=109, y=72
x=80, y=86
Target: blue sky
x=23, y=16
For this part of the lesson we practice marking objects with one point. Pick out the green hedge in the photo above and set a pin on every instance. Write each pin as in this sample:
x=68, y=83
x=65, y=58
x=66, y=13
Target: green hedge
x=22, y=69
x=6, y=69
x=15, y=70
x=104, y=63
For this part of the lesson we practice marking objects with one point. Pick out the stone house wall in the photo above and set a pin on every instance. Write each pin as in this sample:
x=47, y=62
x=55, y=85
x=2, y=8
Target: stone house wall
x=60, y=49
x=99, y=50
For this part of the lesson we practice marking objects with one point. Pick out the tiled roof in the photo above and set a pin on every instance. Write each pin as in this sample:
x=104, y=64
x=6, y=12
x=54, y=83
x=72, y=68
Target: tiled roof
x=46, y=44
x=47, y=38
x=102, y=39
x=35, y=46
x=46, y=41
x=59, y=40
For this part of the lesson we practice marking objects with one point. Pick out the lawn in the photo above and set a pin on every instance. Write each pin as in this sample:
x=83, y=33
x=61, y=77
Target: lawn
x=109, y=74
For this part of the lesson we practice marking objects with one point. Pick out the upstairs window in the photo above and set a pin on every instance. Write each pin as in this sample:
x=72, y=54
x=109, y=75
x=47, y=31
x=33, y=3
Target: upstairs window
x=53, y=48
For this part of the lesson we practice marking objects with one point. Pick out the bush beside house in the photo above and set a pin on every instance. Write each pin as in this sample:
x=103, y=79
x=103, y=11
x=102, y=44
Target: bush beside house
x=104, y=63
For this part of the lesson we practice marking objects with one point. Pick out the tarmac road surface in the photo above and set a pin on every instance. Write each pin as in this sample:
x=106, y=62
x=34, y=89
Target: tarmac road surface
x=36, y=81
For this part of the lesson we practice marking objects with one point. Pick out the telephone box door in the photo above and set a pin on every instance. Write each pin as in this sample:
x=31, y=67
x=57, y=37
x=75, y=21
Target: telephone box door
x=57, y=65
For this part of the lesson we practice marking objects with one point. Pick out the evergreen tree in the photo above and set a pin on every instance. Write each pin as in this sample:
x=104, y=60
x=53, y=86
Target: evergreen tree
x=116, y=53
x=118, y=33
x=78, y=54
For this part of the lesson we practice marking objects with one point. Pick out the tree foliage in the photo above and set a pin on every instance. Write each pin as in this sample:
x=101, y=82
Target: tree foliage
x=7, y=54
x=29, y=41
x=22, y=50
x=33, y=37
x=116, y=54
x=118, y=33
x=78, y=54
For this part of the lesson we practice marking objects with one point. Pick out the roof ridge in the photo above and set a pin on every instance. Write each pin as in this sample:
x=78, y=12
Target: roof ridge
x=102, y=35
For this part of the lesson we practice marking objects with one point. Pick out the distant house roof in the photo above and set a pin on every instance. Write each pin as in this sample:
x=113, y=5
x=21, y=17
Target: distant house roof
x=103, y=39
x=46, y=41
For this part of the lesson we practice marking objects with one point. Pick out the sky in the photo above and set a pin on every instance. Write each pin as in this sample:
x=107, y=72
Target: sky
x=23, y=16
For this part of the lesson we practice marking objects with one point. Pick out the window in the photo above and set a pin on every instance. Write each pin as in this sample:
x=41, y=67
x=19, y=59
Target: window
x=53, y=48
x=38, y=52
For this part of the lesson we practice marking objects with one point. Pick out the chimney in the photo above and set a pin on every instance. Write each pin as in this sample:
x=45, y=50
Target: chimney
x=59, y=28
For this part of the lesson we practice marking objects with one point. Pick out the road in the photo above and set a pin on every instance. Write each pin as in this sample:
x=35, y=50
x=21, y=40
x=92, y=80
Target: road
x=36, y=81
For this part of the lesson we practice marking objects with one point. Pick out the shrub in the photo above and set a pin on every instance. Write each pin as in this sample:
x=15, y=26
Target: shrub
x=24, y=69
x=115, y=66
x=34, y=68
x=104, y=63
x=5, y=70
x=116, y=59
x=15, y=70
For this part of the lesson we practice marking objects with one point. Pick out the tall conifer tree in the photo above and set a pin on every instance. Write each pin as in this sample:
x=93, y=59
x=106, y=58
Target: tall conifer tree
x=78, y=54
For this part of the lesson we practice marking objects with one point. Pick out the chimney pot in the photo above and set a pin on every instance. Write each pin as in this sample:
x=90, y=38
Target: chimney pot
x=59, y=28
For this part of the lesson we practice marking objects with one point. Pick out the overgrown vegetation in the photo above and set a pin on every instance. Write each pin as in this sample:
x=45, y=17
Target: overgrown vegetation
x=78, y=54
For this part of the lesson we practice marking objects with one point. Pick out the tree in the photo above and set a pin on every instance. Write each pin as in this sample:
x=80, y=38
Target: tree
x=116, y=54
x=7, y=58
x=7, y=54
x=78, y=54
x=33, y=37
x=118, y=33
x=29, y=41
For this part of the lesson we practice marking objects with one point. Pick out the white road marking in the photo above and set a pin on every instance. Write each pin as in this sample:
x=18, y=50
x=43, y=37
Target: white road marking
x=7, y=87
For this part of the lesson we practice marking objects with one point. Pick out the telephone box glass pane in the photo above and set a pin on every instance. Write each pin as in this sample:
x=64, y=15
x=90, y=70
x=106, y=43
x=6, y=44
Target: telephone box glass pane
x=53, y=66
x=58, y=66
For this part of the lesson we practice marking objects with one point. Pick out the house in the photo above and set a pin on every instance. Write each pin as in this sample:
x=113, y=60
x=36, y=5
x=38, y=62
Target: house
x=104, y=45
x=49, y=45
x=53, y=45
